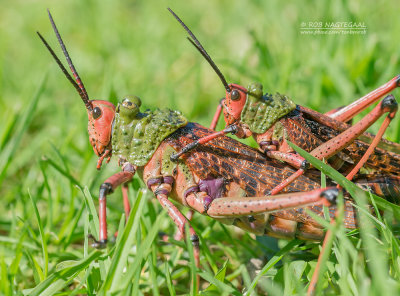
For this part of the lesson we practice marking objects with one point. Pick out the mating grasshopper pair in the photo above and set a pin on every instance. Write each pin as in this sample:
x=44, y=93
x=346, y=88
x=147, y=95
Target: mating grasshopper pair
x=219, y=176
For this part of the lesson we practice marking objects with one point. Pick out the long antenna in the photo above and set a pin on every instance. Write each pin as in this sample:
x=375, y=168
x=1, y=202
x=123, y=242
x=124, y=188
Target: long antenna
x=65, y=71
x=78, y=84
x=196, y=43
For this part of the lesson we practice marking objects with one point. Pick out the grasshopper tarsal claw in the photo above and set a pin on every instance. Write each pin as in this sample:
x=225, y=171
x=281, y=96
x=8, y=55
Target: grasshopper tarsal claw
x=97, y=244
x=305, y=165
x=174, y=157
x=330, y=195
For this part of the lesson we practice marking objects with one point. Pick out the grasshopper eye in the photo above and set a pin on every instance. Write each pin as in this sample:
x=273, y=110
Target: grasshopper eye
x=96, y=113
x=235, y=95
x=128, y=104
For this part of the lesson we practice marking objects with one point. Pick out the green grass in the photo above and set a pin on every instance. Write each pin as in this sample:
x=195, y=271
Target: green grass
x=48, y=179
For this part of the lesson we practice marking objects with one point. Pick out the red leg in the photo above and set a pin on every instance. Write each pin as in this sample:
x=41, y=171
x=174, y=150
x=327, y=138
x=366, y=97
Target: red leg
x=287, y=181
x=314, y=278
x=107, y=154
x=294, y=160
x=161, y=191
x=374, y=143
x=333, y=111
x=180, y=221
x=238, y=206
x=348, y=112
x=179, y=235
x=106, y=188
x=214, y=122
x=331, y=147
x=127, y=206
x=230, y=129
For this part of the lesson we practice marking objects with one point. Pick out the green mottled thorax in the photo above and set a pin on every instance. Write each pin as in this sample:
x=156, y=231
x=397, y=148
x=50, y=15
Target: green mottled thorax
x=260, y=112
x=136, y=135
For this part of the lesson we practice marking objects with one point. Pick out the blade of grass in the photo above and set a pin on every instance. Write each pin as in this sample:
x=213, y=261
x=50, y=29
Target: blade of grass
x=192, y=263
x=223, y=288
x=152, y=263
x=220, y=275
x=375, y=253
x=275, y=259
x=7, y=154
x=93, y=224
x=171, y=288
x=141, y=253
x=43, y=238
x=61, y=171
x=59, y=279
x=119, y=260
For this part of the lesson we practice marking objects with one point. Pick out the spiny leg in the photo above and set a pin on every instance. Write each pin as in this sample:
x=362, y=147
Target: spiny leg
x=348, y=112
x=331, y=147
x=238, y=206
x=106, y=188
x=180, y=221
x=161, y=192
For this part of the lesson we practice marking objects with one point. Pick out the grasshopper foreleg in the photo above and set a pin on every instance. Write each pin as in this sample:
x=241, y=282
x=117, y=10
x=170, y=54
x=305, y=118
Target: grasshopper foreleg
x=217, y=114
x=106, y=188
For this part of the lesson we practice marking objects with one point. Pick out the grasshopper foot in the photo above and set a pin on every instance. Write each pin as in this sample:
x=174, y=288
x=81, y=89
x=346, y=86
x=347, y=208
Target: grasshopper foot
x=98, y=244
x=330, y=195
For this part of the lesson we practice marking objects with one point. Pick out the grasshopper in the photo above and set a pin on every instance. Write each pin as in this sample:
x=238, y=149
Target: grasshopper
x=224, y=179
x=274, y=119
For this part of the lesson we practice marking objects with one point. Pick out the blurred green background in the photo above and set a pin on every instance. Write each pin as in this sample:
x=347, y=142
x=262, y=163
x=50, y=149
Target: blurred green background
x=136, y=47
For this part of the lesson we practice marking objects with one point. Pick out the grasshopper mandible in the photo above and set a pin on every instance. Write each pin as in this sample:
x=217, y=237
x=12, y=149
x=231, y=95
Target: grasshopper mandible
x=274, y=119
x=223, y=178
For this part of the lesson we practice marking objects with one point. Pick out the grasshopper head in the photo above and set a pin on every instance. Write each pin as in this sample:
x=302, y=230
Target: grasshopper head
x=233, y=103
x=100, y=122
x=100, y=113
x=236, y=98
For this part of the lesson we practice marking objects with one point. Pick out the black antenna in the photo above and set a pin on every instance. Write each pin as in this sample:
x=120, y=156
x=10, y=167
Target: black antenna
x=196, y=43
x=69, y=77
x=78, y=84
